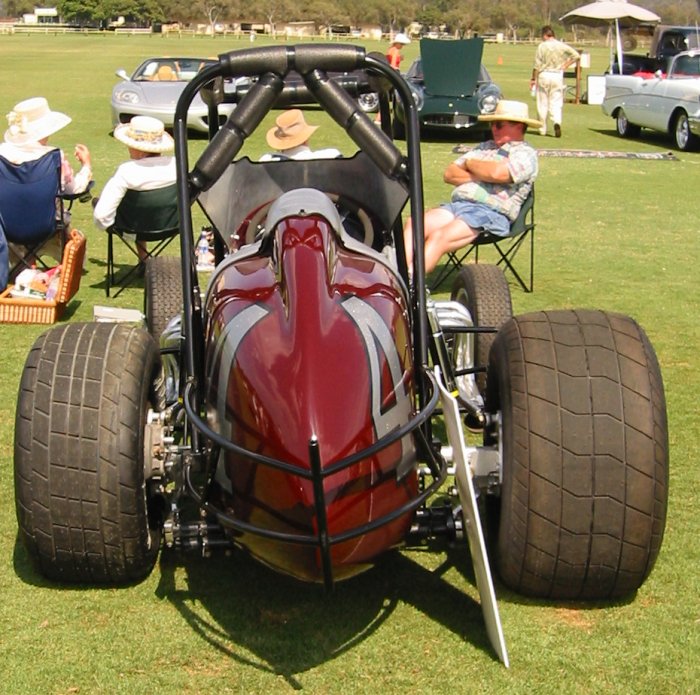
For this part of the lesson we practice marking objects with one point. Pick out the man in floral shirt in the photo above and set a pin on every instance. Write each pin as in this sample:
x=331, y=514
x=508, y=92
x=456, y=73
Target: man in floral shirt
x=491, y=183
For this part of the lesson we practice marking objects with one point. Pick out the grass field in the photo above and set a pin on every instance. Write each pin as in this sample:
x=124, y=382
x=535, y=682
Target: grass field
x=619, y=234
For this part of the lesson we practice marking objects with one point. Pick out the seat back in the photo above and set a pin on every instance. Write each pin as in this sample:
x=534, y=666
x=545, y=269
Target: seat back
x=526, y=217
x=148, y=214
x=28, y=195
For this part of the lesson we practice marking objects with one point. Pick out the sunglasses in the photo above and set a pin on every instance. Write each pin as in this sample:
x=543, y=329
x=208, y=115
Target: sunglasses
x=501, y=124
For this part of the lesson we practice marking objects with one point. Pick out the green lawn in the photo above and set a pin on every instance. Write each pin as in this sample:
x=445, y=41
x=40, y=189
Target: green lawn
x=619, y=234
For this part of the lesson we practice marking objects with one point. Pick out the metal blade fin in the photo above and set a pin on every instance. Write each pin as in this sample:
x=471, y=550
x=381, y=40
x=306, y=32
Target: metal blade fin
x=472, y=522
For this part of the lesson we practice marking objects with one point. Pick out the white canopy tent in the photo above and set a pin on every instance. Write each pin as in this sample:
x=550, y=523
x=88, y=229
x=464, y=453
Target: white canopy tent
x=607, y=12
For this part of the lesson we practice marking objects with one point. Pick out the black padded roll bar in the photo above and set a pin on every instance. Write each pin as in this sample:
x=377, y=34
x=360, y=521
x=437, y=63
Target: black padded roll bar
x=244, y=119
x=282, y=59
x=362, y=130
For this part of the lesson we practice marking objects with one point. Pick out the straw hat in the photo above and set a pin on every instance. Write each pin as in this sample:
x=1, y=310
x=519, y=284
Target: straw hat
x=512, y=111
x=144, y=133
x=31, y=120
x=401, y=38
x=291, y=130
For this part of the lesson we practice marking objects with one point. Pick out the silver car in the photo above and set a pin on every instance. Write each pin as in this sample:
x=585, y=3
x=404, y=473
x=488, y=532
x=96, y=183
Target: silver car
x=154, y=88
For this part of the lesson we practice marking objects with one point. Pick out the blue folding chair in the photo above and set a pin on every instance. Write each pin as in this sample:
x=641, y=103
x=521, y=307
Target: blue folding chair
x=31, y=209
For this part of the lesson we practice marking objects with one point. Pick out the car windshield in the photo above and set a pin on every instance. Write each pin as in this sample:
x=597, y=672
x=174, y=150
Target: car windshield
x=687, y=66
x=170, y=69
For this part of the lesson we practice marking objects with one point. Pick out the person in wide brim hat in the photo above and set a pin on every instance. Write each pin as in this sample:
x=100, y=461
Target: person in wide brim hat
x=146, y=134
x=33, y=121
x=514, y=111
x=149, y=167
x=290, y=130
x=491, y=182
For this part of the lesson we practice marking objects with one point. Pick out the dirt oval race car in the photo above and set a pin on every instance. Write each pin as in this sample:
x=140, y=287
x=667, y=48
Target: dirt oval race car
x=309, y=405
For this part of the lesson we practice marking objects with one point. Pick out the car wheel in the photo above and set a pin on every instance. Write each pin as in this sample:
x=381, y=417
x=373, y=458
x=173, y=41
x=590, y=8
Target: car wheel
x=162, y=297
x=82, y=500
x=626, y=129
x=684, y=139
x=484, y=291
x=369, y=102
x=584, y=443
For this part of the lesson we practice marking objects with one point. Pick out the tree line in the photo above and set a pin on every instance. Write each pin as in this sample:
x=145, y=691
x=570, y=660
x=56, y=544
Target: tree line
x=458, y=17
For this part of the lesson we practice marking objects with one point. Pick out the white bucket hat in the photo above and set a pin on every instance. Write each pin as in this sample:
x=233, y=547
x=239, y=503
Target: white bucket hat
x=401, y=38
x=146, y=134
x=32, y=120
x=516, y=111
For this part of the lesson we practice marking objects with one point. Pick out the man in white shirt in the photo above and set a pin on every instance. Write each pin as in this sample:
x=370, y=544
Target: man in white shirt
x=148, y=167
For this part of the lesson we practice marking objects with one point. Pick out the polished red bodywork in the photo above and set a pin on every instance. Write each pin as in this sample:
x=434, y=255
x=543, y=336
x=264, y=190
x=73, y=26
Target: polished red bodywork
x=310, y=341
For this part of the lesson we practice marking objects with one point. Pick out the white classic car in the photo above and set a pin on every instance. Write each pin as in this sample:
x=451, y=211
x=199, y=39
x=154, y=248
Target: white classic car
x=668, y=103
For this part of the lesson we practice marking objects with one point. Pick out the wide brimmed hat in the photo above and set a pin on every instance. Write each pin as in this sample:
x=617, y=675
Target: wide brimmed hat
x=401, y=38
x=516, y=111
x=146, y=134
x=291, y=130
x=32, y=120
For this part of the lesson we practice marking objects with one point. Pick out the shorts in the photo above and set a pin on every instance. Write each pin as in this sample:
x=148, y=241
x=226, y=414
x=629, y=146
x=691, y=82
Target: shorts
x=479, y=216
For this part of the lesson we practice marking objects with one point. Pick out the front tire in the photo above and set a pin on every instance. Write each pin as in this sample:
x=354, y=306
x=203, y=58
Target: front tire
x=585, y=454
x=682, y=136
x=81, y=498
x=162, y=297
x=625, y=129
x=484, y=290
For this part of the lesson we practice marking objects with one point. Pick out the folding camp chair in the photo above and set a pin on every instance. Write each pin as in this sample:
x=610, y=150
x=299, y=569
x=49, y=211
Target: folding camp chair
x=142, y=216
x=522, y=232
x=31, y=209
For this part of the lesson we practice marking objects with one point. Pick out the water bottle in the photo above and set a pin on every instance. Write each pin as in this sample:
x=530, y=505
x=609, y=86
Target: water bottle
x=202, y=250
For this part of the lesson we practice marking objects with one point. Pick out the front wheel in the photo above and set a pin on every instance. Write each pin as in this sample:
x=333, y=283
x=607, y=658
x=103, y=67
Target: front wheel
x=83, y=505
x=626, y=129
x=682, y=136
x=584, y=442
x=483, y=290
x=162, y=297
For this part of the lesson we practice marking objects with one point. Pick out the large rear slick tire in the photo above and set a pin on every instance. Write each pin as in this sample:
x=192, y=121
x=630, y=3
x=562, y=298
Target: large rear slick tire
x=585, y=454
x=81, y=498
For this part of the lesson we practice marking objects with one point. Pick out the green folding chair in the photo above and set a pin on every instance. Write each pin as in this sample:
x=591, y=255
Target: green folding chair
x=522, y=233
x=142, y=216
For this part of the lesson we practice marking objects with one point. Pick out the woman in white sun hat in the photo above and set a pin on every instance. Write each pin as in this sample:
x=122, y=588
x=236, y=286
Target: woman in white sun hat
x=393, y=54
x=29, y=126
x=149, y=167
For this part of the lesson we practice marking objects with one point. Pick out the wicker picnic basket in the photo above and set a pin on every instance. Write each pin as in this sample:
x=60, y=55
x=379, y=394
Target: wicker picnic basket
x=26, y=310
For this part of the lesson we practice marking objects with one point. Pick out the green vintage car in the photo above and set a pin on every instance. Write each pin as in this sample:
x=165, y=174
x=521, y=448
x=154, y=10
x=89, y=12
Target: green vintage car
x=451, y=88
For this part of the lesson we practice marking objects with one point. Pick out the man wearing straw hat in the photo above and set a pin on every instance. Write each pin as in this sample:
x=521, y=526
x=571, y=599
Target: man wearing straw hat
x=148, y=167
x=491, y=183
x=290, y=139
